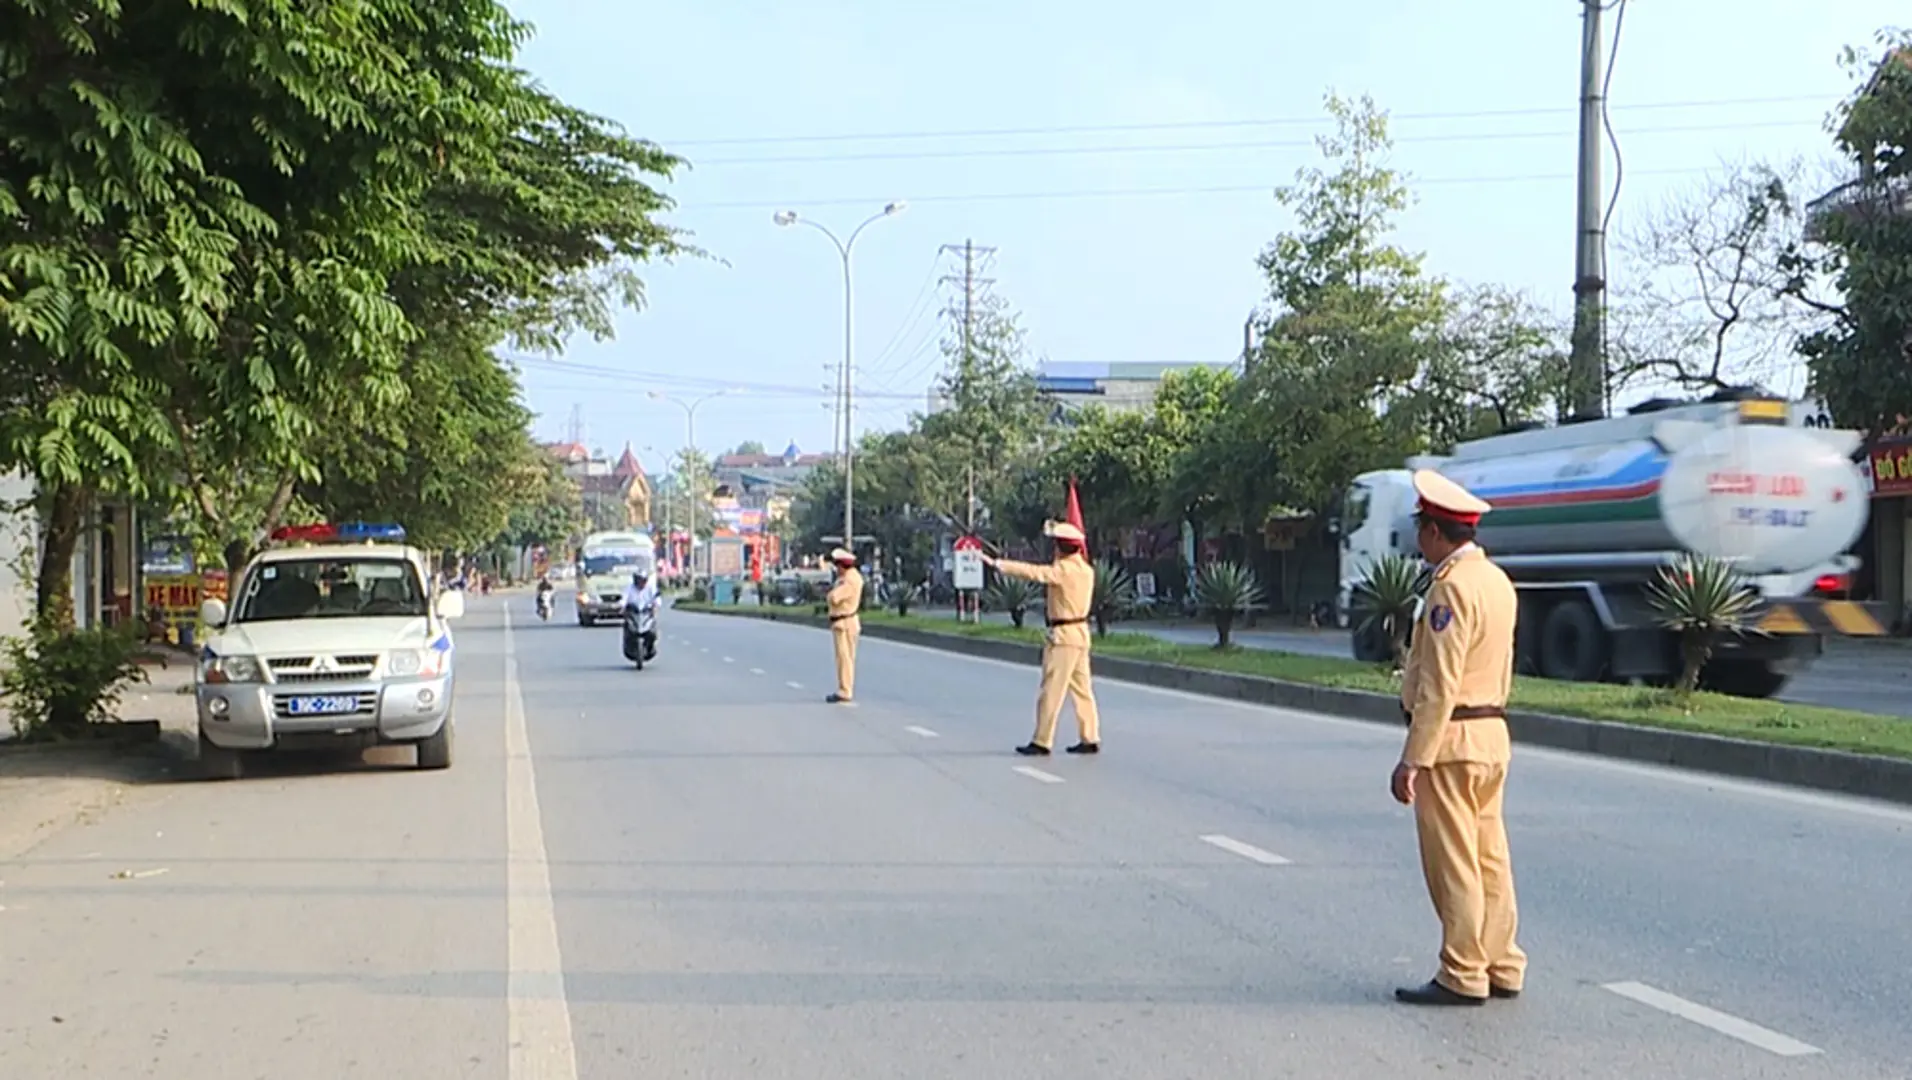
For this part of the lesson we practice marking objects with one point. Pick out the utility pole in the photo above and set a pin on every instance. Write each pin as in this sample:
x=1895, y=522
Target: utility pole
x=576, y=427
x=1587, y=368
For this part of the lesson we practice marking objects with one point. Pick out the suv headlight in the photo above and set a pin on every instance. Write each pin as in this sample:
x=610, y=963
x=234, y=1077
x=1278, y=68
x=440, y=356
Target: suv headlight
x=409, y=662
x=231, y=669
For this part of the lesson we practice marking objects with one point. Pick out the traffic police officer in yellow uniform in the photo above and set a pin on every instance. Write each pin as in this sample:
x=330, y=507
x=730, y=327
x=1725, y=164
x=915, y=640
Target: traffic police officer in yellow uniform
x=845, y=599
x=1070, y=581
x=1459, y=673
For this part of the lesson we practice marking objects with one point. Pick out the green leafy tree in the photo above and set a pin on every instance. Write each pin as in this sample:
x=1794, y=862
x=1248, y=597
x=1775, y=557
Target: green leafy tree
x=1859, y=365
x=1500, y=362
x=1354, y=323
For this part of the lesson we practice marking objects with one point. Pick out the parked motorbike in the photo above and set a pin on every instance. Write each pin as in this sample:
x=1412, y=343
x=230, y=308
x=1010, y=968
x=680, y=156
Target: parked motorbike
x=640, y=635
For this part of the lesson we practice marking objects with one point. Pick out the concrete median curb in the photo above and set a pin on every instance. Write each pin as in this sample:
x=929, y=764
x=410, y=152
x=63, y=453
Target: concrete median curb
x=1865, y=775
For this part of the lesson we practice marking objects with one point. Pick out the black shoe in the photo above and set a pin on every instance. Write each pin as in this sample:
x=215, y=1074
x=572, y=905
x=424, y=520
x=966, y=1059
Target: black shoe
x=837, y=699
x=1086, y=748
x=1502, y=993
x=1433, y=993
x=1032, y=750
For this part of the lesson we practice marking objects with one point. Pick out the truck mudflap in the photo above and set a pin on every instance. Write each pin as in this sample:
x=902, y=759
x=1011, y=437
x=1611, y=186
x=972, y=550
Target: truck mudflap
x=1832, y=618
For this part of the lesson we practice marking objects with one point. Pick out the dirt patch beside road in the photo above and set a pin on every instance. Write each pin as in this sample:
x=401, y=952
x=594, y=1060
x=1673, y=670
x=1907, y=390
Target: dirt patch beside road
x=46, y=788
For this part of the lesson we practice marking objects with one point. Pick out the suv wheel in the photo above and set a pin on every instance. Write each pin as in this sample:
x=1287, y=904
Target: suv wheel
x=435, y=752
x=217, y=762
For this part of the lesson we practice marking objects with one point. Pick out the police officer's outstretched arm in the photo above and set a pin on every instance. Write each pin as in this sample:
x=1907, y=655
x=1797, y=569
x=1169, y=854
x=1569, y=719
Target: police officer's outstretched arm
x=1439, y=658
x=1040, y=573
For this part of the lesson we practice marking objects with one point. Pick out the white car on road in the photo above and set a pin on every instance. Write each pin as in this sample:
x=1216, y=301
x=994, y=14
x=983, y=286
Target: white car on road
x=334, y=641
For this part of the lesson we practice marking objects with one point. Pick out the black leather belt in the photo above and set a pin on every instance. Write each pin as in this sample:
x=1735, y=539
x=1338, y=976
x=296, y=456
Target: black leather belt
x=1465, y=712
x=1067, y=622
x=840, y=618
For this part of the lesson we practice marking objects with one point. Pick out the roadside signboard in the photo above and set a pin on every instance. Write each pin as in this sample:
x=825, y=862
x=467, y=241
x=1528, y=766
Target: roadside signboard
x=968, y=566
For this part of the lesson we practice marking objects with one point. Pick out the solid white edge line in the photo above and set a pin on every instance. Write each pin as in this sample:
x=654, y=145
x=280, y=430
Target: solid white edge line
x=539, y=1037
x=1246, y=851
x=1034, y=773
x=922, y=731
x=1744, y=1030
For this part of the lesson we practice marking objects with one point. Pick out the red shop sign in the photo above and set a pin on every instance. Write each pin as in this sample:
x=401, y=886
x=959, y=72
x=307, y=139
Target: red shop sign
x=1891, y=469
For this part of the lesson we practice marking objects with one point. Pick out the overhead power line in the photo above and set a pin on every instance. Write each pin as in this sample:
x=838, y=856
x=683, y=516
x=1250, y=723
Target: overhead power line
x=1124, y=193
x=1212, y=125
x=1187, y=148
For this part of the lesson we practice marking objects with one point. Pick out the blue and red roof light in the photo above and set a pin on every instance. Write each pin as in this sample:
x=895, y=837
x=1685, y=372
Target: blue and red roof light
x=354, y=532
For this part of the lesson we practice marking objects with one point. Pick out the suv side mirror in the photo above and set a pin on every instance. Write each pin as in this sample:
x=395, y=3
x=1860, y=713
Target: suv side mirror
x=451, y=604
x=213, y=613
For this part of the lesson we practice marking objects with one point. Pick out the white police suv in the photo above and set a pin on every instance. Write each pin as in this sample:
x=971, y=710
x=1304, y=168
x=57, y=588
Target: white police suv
x=333, y=638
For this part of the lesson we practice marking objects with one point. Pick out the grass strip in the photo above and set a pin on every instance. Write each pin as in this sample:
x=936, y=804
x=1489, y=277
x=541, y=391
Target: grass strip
x=1765, y=720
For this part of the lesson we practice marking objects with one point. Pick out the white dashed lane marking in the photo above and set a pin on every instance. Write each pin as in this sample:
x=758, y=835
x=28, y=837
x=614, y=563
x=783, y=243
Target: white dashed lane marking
x=922, y=731
x=756, y=671
x=794, y=685
x=1744, y=1030
x=1034, y=773
x=1246, y=851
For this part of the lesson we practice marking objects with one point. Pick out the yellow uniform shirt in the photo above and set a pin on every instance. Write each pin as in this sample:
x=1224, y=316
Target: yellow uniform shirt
x=1070, y=582
x=1462, y=655
x=846, y=599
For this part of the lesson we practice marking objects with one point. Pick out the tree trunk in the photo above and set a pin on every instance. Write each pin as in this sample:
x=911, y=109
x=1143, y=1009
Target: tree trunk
x=1695, y=651
x=1224, y=625
x=64, y=524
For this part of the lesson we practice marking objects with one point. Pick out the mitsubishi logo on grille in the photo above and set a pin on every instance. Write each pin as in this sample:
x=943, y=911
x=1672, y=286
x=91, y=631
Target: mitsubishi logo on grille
x=324, y=663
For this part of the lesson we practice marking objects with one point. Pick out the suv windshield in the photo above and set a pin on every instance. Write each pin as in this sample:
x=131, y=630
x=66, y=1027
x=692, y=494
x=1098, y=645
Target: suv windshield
x=332, y=587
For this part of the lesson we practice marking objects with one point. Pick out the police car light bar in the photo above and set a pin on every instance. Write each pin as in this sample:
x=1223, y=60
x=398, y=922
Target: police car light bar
x=361, y=532
x=356, y=532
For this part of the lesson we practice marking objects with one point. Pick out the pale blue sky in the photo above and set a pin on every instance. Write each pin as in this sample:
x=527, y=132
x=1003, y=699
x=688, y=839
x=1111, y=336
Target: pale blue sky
x=1123, y=277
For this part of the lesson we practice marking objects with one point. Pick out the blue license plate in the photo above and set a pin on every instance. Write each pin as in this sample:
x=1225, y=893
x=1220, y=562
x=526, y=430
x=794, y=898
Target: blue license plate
x=321, y=706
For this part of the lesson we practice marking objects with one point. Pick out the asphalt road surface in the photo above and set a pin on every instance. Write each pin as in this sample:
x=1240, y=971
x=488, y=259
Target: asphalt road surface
x=1855, y=673
x=702, y=870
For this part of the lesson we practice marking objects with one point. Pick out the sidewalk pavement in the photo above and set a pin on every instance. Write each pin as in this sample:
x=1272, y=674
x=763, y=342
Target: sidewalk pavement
x=45, y=788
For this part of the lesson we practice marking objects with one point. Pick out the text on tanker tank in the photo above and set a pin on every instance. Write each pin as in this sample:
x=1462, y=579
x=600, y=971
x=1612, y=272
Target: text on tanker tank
x=1771, y=515
x=1782, y=486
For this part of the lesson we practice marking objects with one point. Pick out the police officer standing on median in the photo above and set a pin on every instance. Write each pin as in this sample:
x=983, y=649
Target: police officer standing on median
x=1070, y=581
x=1454, y=766
x=845, y=599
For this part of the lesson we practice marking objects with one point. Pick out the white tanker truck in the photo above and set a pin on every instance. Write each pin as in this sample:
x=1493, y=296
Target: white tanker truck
x=1586, y=513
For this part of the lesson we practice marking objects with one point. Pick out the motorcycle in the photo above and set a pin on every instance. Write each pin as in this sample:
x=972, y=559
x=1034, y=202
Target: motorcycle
x=640, y=635
x=544, y=605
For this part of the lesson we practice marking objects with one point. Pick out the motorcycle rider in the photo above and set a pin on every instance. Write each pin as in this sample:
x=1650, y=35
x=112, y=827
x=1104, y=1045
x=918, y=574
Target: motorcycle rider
x=545, y=589
x=641, y=595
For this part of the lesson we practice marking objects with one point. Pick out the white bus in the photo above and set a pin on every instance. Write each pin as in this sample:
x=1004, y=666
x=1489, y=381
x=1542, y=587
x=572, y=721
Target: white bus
x=606, y=562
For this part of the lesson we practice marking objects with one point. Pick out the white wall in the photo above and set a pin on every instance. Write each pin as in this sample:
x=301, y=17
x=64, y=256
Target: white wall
x=18, y=540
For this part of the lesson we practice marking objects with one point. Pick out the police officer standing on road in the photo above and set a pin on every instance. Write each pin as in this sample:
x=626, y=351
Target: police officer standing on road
x=1065, y=656
x=1453, y=769
x=846, y=600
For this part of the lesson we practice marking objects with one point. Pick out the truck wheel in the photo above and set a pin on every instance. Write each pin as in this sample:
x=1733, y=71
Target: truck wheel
x=435, y=752
x=1742, y=678
x=1573, y=644
x=218, y=763
x=1371, y=643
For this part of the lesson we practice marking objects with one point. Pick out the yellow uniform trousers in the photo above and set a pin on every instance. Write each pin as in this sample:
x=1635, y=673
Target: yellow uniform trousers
x=1470, y=878
x=844, y=637
x=1065, y=670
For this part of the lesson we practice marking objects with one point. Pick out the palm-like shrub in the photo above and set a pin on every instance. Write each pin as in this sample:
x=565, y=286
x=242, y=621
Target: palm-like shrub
x=1702, y=599
x=1012, y=595
x=1387, y=599
x=1225, y=591
x=1114, y=595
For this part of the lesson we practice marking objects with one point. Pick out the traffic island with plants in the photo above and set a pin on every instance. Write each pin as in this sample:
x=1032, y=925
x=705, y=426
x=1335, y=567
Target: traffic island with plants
x=1766, y=721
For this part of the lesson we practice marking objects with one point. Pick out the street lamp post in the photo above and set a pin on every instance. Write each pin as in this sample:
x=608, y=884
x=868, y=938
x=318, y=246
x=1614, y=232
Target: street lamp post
x=789, y=217
x=690, y=445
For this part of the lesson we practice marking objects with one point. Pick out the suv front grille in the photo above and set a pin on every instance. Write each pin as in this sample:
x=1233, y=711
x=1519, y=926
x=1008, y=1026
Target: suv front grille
x=310, y=669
